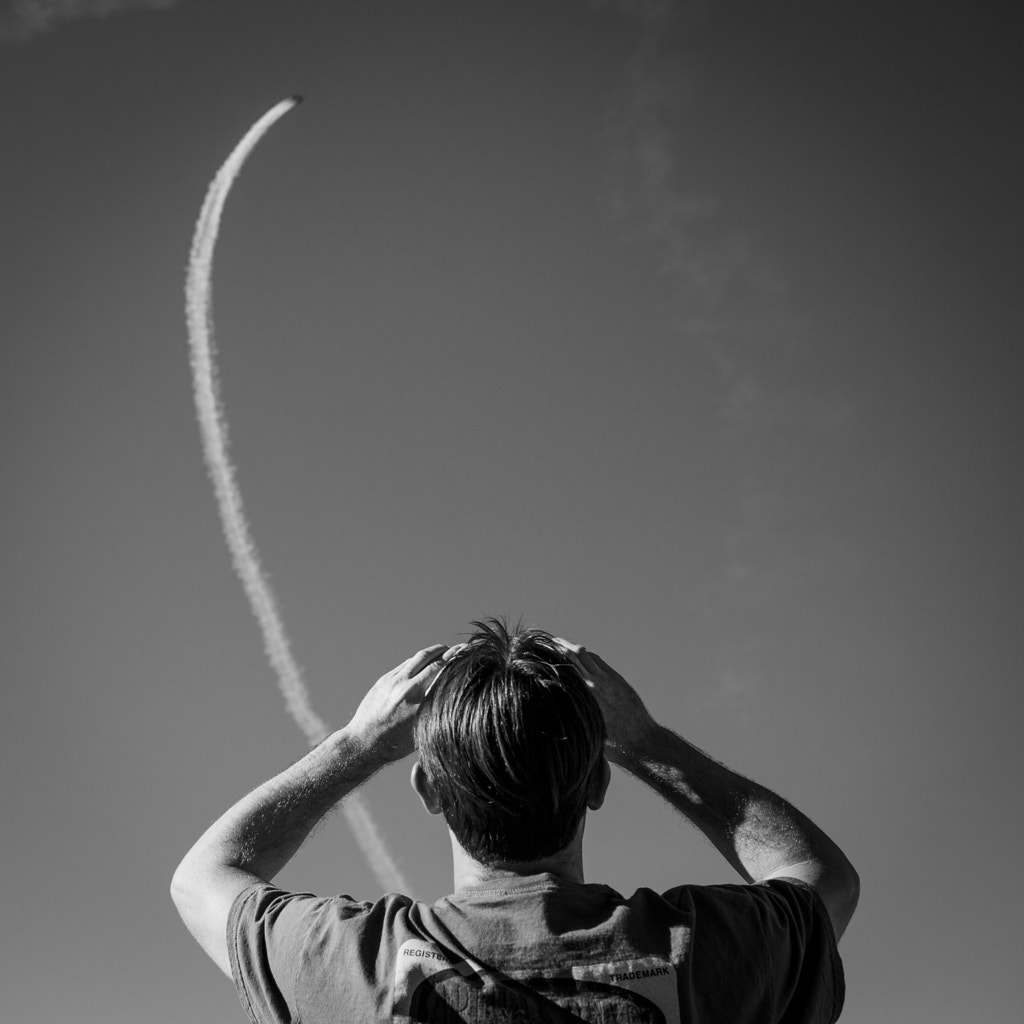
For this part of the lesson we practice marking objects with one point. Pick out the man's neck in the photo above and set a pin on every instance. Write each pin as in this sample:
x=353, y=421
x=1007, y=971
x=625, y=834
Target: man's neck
x=469, y=873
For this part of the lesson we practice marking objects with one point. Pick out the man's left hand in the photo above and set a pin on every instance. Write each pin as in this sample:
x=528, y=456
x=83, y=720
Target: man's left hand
x=385, y=718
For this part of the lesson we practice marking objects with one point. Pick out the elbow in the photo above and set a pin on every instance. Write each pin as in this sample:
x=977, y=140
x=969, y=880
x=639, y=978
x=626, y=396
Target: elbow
x=835, y=880
x=187, y=896
x=852, y=889
x=178, y=889
x=177, y=884
x=847, y=884
x=842, y=898
x=183, y=887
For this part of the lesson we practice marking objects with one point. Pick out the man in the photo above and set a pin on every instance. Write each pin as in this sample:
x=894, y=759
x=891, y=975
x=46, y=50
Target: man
x=515, y=730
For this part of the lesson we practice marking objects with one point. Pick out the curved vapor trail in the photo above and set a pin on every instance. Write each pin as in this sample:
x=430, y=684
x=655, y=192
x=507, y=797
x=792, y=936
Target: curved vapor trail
x=213, y=428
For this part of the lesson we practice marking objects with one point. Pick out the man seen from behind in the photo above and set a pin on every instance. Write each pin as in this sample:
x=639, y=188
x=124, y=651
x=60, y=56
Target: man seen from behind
x=514, y=731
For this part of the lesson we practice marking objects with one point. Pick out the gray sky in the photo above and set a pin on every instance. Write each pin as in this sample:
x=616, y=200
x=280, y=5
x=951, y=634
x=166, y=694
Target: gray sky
x=688, y=332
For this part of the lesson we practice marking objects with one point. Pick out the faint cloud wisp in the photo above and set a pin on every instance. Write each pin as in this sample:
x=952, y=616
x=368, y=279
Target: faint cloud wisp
x=23, y=19
x=729, y=303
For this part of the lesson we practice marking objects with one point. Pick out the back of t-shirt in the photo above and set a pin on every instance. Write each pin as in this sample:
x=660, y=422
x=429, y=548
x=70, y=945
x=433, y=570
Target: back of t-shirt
x=541, y=949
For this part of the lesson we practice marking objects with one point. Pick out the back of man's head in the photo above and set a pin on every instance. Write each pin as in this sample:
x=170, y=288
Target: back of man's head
x=511, y=739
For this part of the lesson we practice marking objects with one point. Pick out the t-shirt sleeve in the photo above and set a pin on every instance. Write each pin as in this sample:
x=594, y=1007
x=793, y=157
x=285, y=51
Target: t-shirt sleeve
x=762, y=952
x=804, y=967
x=270, y=933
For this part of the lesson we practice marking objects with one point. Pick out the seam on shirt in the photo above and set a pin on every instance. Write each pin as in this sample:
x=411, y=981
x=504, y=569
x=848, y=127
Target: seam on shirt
x=234, y=914
x=510, y=890
x=836, y=961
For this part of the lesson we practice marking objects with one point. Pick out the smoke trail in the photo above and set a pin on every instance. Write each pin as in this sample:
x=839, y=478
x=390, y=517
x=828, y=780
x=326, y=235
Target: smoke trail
x=23, y=19
x=214, y=430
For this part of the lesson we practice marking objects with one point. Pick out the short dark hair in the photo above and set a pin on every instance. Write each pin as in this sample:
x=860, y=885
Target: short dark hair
x=510, y=737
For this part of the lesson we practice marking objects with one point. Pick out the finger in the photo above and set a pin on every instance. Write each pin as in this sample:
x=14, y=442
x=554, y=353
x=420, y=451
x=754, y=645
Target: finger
x=423, y=658
x=429, y=685
x=567, y=645
x=579, y=655
x=430, y=669
x=452, y=652
x=426, y=676
x=424, y=681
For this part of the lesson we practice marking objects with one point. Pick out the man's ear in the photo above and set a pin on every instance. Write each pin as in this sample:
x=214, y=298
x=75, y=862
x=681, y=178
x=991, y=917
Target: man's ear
x=599, y=784
x=424, y=789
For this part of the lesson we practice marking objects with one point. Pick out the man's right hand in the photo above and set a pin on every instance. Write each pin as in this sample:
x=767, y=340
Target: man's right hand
x=759, y=833
x=628, y=722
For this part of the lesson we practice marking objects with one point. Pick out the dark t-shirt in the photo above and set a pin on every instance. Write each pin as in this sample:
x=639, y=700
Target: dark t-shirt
x=539, y=950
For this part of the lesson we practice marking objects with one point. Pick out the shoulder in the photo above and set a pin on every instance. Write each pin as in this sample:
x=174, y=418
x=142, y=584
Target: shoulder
x=783, y=925
x=286, y=947
x=271, y=908
x=273, y=929
x=777, y=921
x=777, y=931
x=736, y=895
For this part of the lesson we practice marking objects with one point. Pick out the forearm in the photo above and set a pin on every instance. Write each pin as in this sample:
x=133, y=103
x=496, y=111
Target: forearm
x=758, y=832
x=265, y=829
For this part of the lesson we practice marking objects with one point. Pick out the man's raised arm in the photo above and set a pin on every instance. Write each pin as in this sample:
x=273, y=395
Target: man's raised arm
x=253, y=840
x=759, y=833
